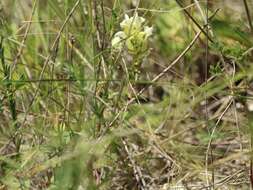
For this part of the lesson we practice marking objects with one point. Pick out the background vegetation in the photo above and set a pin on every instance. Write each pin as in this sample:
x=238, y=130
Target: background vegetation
x=72, y=117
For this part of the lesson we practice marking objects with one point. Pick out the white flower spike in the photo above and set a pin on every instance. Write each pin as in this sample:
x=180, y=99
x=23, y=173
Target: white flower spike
x=134, y=34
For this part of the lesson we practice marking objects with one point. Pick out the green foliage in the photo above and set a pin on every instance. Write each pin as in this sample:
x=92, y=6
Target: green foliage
x=76, y=114
x=228, y=31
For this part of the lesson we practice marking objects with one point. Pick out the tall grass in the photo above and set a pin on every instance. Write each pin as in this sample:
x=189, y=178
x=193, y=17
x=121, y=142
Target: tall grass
x=75, y=114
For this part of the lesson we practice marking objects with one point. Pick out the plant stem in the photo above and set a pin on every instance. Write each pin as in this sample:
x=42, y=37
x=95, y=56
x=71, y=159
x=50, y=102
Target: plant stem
x=10, y=93
x=248, y=15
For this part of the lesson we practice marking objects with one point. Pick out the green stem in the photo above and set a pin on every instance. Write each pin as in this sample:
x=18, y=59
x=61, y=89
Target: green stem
x=9, y=91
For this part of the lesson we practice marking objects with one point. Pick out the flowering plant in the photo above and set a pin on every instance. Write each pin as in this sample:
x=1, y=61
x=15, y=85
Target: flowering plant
x=134, y=35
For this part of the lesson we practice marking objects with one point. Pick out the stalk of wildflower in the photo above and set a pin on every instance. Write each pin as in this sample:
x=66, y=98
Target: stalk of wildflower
x=138, y=47
x=134, y=37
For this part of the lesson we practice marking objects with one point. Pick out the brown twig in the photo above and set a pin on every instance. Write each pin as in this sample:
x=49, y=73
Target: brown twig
x=137, y=171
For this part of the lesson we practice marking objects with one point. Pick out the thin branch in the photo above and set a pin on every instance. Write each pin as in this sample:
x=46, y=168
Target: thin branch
x=194, y=21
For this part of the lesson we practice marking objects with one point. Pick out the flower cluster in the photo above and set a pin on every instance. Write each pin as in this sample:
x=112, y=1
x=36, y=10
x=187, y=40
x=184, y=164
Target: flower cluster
x=134, y=35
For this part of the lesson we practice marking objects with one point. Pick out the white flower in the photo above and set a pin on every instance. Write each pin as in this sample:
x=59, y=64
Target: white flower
x=134, y=34
x=148, y=30
x=117, y=41
x=133, y=24
x=120, y=34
